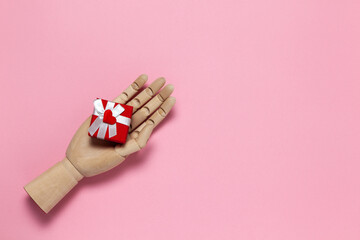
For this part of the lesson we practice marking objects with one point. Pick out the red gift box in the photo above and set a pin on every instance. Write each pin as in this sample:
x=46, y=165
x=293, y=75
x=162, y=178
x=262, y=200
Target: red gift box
x=110, y=121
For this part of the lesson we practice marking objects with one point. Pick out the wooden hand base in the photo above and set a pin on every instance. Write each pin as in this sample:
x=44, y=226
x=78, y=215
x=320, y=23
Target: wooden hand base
x=53, y=184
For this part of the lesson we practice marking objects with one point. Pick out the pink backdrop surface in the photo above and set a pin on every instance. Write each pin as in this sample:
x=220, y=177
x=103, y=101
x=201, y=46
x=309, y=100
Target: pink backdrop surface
x=263, y=142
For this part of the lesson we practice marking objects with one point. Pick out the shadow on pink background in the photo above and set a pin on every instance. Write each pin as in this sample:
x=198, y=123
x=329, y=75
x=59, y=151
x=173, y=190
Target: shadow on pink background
x=263, y=142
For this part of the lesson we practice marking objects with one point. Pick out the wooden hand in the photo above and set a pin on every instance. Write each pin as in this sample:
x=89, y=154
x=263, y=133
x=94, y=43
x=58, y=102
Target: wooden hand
x=88, y=156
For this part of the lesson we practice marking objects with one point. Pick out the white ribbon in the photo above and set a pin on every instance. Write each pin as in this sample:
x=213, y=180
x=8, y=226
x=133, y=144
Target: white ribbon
x=99, y=124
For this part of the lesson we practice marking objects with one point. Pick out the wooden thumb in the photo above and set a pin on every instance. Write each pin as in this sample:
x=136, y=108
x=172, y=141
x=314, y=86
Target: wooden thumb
x=137, y=143
x=144, y=135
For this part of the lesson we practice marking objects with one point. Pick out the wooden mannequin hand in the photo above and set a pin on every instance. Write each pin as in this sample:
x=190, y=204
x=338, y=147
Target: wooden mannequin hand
x=87, y=156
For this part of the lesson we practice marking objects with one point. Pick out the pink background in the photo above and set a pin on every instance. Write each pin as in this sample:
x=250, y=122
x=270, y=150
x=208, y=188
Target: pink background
x=263, y=142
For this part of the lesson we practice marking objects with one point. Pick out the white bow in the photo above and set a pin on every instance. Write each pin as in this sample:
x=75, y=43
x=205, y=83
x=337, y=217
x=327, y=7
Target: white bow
x=99, y=124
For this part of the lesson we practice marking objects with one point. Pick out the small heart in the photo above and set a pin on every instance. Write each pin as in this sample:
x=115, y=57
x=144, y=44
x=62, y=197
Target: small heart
x=109, y=118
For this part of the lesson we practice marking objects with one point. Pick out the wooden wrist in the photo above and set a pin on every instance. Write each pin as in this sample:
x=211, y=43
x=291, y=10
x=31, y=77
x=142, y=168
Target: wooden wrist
x=53, y=184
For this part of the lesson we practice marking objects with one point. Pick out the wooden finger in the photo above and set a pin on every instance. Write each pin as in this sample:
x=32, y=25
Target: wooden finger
x=135, y=144
x=146, y=94
x=156, y=117
x=131, y=90
x=150, y=107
